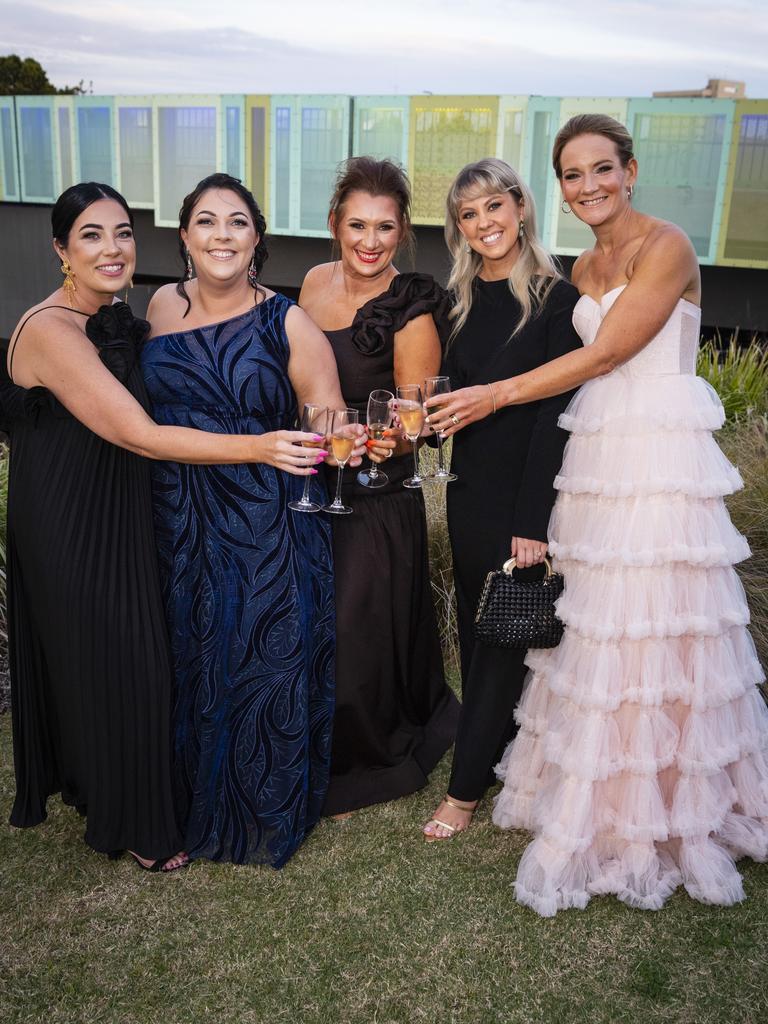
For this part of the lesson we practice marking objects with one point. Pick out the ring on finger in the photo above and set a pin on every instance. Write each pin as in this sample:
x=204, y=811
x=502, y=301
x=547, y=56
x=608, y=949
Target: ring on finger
x=455, y=419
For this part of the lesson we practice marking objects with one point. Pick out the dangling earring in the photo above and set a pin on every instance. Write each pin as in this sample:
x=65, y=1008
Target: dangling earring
x=127, y=289
x=253, y=274
x=629, y=193
x=565, y=207
x=467, y=247
x=521, y=229
x=69, y=285
x=188, y=275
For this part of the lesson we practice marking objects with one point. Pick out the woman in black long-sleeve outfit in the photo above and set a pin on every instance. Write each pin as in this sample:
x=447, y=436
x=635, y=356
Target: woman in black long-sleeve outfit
x=511, y=313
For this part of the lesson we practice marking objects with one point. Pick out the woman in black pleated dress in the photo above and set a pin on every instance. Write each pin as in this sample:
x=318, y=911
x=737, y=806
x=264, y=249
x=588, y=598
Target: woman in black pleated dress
x=89, y=654
x=511, y=313
x=395, y=716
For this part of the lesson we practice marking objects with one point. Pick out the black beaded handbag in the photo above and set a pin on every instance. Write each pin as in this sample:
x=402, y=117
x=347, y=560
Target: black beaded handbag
x=514, y=613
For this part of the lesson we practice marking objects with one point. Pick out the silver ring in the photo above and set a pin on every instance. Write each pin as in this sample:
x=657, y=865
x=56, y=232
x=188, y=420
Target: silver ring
x=390, y=453
x=455, y=419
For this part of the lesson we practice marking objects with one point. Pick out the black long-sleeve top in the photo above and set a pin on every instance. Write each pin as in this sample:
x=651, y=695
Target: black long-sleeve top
x=506, y=463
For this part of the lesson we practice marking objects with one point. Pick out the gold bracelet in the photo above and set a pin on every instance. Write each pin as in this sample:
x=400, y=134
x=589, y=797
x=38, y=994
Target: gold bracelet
x=493, y=397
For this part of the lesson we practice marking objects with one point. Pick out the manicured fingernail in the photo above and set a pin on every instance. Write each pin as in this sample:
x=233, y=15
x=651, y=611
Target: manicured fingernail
x=319, y=459
x=313, y=472
x=317, y=437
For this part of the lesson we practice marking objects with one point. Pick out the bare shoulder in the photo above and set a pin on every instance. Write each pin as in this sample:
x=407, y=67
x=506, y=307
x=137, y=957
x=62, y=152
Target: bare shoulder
x=165, y=308
x=39, y=321
x=298, y=322
x=316, y=281
x=665, y=239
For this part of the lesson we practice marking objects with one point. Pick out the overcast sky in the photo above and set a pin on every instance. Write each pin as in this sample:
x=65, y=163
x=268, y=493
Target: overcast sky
x=548, y=47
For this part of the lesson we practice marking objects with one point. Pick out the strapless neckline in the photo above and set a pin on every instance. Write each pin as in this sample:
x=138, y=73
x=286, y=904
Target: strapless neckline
x=598, y=303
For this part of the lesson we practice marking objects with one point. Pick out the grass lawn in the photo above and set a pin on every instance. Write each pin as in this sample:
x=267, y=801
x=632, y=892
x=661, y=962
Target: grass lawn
x=366, y=924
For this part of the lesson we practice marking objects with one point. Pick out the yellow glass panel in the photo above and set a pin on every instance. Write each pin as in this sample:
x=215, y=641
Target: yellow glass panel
x=747, y=230
x=447, y=132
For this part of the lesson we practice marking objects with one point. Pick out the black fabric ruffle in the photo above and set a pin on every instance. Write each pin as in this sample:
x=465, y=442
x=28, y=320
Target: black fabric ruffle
x=117, y=334
x=408, y=296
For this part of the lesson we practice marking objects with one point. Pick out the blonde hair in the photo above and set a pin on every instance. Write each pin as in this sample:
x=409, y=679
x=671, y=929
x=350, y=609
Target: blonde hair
x=535, y=272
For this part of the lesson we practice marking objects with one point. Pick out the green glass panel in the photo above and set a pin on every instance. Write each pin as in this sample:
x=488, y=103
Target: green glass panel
x=679, y=158
x=135, y=125
x=747, y=234
x=380, y=133
x=322, y=149
x=94, y=129
x=37, y=153
x=187, y=153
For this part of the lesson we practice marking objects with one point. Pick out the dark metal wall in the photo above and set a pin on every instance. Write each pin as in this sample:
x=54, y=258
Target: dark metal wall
x=733, y=297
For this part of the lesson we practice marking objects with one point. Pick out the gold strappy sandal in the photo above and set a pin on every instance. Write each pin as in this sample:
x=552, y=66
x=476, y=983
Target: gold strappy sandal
x=453, y=830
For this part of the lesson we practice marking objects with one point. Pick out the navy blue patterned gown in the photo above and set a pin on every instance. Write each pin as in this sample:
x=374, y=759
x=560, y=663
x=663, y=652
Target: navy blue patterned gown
x=248, y=588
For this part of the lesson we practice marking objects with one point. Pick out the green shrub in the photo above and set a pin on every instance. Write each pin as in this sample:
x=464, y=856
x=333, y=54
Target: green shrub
x=739, y=375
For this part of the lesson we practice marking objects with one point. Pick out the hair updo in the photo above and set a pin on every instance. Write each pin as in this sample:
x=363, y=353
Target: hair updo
x=593, y=124
x=223, y=181
x=74, y=201
x=377, y=178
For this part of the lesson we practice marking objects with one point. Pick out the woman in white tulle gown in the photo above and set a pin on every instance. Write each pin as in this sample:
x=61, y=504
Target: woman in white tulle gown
x=640, y=764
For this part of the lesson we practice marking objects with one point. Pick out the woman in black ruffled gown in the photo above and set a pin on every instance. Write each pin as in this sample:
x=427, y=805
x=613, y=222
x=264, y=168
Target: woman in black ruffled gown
x=395, y=715
x=89, y=654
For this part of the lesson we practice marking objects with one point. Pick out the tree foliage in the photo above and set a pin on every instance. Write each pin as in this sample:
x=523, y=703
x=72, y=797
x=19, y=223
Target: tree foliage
x=28, y=78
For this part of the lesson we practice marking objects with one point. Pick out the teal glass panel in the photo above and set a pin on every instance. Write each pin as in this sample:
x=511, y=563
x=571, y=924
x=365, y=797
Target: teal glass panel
x=65, y=149
x=540, y=178
x=10, y=185
x=258, y=146
x=135, y=128
x=94, y=129
x=380, y=133
x=679, y=157
x=513, y=137
x=37, y=153
x=187, y=153
x=322, y=148
x=282, y=167
x=232, y=142
x=747, y=234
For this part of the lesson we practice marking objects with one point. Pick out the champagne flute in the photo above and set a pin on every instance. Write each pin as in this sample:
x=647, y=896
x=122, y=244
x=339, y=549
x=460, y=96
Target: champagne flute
x=378, y=418
x=343, y=436
x=439, y=386
x=314, y=420
x=410, y=409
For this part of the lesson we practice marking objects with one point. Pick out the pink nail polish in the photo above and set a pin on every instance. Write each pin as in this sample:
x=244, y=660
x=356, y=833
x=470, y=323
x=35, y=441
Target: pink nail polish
x=317, y=437
x=313, y=472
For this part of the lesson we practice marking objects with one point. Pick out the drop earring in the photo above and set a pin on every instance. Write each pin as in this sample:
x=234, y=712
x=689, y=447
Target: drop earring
x=521, y=229
x=253, y=274
x=188, y=260
x=629, y=193
x=127, y=289
x=565, y=207
x=69, y=285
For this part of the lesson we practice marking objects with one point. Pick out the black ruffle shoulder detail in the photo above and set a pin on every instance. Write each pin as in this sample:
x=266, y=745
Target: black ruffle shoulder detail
x=408, y=296
x=117, y=334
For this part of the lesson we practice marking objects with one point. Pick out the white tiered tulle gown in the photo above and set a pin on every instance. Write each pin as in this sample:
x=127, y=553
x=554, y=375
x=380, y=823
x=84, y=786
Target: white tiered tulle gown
x=640, y=762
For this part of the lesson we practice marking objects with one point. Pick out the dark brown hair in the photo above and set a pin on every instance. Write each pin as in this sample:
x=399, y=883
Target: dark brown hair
x=593, y=124
x=222, y=181
x=377, y=178
x=75, y=200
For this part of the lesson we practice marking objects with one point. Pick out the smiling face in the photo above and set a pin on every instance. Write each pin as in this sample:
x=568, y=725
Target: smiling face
x=100, y=249
x=368, y=230
x=593, y=181
x=491, y=226
x=221, y=236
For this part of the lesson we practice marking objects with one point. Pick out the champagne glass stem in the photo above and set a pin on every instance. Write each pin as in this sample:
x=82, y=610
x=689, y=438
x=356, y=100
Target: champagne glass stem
x=440, y=463
x=415, y=459
x=374, y=470
x=305, y=492
x=337, y=499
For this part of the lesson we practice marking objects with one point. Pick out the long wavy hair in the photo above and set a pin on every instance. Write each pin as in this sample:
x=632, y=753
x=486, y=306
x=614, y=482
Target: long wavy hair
x=535, y=272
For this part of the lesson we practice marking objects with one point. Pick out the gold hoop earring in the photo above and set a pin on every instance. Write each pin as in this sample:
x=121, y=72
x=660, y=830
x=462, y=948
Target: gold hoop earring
x=69, y=285
x=565, y=207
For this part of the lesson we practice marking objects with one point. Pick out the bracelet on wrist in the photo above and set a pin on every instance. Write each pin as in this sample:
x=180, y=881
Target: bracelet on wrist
x=493, y=396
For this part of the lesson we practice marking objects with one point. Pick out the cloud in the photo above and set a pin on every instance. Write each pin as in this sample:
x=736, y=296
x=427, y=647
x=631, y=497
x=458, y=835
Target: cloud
x=626, y=47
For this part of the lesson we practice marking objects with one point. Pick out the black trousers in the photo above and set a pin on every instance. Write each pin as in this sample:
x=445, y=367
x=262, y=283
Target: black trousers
x=492, y=683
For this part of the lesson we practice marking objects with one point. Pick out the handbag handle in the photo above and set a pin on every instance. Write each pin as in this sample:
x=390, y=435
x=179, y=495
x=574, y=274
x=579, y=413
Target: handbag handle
x=511, y=563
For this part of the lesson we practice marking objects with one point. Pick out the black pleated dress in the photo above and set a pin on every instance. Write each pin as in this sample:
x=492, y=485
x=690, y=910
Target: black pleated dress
x=395, y=715
x=89, y=654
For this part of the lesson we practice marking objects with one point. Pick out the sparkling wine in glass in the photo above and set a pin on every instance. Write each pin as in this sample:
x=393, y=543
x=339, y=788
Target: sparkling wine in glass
x=314, y=420
x=439, y=386
x=410, y=409
x=378, y=418
x=343, y=434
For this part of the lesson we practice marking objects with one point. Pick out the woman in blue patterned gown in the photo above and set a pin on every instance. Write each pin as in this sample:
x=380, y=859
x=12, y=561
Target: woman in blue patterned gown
x=248, y=585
